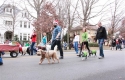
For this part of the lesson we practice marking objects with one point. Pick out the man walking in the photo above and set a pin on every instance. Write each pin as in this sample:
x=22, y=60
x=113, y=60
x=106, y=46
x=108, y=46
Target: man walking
x=101, y=36
x=56, y=38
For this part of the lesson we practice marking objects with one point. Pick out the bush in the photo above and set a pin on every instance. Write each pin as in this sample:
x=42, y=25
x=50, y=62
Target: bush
x=93, y=45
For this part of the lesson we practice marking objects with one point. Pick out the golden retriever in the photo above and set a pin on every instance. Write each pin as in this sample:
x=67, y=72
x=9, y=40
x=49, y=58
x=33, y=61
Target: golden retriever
x=48, y=54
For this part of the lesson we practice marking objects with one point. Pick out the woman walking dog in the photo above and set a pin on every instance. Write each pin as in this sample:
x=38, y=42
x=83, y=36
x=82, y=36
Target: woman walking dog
x=84, y=41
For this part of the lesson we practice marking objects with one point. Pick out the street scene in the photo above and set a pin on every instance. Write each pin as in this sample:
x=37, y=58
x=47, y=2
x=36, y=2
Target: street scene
x=70, y=68
x=62, y=40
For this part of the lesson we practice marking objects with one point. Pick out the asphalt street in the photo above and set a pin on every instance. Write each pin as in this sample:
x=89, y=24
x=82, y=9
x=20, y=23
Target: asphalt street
x=112, y=67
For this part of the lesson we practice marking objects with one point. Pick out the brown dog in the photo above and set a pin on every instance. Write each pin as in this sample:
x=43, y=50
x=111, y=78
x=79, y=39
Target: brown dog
x=49, y=54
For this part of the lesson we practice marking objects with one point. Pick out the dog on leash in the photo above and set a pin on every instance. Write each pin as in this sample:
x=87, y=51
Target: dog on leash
x=48, y=47
x=48, y=54
x=25, y=50
x=92, y=52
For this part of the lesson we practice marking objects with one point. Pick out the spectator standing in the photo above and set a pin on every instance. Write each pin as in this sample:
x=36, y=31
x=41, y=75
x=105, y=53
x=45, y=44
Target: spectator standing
x=44, y=39
x=113, y=43
x=76, y=43
x=33, y=41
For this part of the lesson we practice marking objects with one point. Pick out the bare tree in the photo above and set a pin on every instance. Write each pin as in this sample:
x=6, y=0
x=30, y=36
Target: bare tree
x=117, y=15
x=122, y=28
x=35, y=5
x=87, y=10
x=67, y=13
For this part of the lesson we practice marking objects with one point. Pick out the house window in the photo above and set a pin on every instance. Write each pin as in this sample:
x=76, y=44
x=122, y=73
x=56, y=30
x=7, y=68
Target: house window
x=29, y=24
x=22, y=14
x=8, y=10
x=24, y=37
x=20, y=23
x=20, y=36
x=28, y=36
x=25, y=24
x=25, y=14
x=8, y=23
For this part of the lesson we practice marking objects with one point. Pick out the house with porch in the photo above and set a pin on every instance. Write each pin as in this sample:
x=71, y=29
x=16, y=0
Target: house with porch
x=14, y=20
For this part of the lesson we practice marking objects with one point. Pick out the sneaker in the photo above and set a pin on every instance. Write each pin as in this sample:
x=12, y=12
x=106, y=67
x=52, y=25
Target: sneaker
x=61, y=57
x=79, y=55
x=100, y=57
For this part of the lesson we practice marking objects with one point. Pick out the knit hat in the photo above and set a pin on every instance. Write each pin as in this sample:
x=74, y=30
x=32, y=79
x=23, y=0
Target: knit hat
x=55, y=22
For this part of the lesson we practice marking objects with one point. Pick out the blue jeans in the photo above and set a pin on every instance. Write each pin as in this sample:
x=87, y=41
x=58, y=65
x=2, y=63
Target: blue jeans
x=32, y=48
x=76, y=47
x=100, y=42
x=118, y=46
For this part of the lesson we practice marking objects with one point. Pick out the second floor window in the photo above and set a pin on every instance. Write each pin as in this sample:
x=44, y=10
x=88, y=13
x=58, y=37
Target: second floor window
x=8, y=23
x=24, y=37
x=25, y=15
x=8, y=10
x=20, y=36
x=25, y=24
x=29, y=24
x=20, y=23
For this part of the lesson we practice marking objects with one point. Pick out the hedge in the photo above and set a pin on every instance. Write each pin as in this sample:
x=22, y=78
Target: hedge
x=93, y=44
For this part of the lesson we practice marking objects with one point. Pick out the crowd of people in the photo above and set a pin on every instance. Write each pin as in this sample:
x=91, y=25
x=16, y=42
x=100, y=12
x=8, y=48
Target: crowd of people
x=55, y=39
x=117, y=43
x=101, y=36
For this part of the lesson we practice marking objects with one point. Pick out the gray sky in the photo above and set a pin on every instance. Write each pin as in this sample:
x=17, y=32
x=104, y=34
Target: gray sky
x=92, y=21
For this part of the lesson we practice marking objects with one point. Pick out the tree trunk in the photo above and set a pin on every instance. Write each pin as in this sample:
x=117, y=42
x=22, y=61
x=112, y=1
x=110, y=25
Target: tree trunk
x=68, y=38
x=37, y=28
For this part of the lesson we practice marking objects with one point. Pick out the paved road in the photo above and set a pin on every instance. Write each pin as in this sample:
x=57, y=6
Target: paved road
x=112, y=67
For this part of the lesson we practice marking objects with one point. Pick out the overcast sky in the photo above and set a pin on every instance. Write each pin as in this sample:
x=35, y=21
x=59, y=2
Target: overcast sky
x=92, y=21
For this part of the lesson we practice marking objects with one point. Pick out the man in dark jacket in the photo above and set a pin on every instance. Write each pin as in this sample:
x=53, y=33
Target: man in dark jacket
x=113, y=44
x=120, y=42
x=101, y=36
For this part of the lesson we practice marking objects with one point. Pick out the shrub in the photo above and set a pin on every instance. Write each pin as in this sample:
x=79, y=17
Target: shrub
x=93, y=44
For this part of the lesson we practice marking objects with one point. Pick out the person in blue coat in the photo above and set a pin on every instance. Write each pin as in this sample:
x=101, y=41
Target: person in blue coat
x=1, y=61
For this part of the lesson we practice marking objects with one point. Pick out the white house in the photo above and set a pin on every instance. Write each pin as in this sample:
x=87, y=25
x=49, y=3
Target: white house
x=12, y=18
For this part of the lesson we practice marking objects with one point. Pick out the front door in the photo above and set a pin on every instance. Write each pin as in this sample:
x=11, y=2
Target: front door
x=8, y=35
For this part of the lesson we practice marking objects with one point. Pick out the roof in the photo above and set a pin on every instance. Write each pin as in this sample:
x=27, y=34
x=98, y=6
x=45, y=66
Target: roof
x=2, y=8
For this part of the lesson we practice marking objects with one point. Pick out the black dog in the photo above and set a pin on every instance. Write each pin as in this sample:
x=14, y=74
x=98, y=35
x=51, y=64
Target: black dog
x=28, y=50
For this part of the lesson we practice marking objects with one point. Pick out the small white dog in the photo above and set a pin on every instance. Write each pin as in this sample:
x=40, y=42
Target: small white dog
x=48, y=47
x=24, y=50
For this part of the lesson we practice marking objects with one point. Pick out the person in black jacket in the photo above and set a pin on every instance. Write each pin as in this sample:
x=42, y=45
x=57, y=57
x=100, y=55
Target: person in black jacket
x=113, y=44
x=120, y=43
x=101, y=36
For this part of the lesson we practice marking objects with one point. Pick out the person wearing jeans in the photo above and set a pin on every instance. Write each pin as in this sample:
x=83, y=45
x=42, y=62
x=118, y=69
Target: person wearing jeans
x=101, y=36
x=76, y=43
x=33, y=38
x=56, y=38
x=100, y=42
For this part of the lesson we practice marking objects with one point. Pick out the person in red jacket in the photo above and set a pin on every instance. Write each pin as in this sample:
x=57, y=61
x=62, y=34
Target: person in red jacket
x=33, y=40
